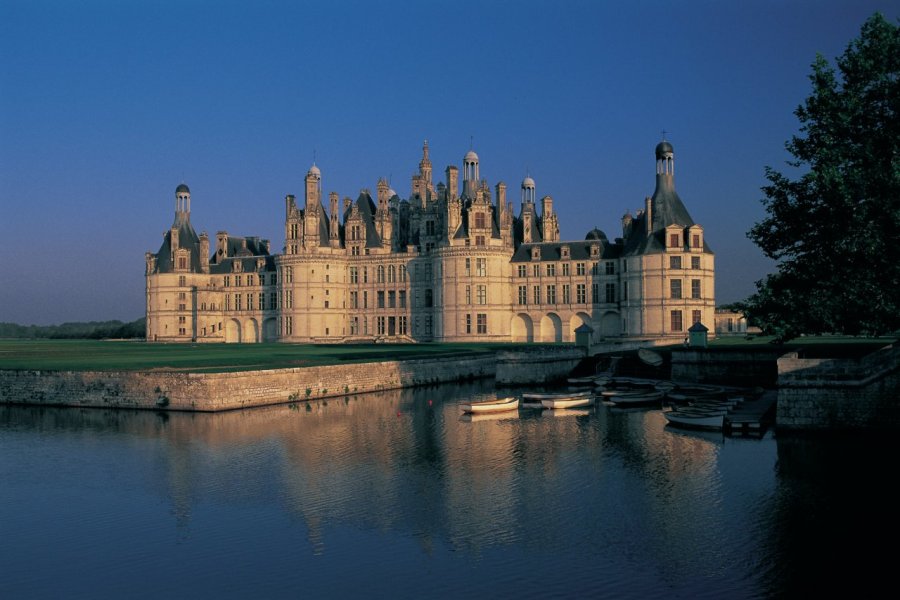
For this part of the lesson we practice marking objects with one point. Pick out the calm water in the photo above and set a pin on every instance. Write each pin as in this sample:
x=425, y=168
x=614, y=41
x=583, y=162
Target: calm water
x=392, y=495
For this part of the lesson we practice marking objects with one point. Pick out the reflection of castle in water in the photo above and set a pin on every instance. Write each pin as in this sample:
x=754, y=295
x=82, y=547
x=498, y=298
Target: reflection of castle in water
x=404, y=461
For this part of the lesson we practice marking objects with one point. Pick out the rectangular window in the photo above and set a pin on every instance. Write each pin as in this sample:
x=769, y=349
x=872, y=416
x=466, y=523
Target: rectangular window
x=428, y=326
x=182, y=320
x=227, y=281
x=523, y=294
x=673, y=242
x=610, y=292
x=695, y=316
x=354, y=325
x=249, y=301
x=290, y=299
x=402, y=298
x=227, y=301
x=579, y=268
x=674, y=262
x=551, y=270
x=392, y=299
x=274, y=278
x=237, y=301
x=565, y=269
x=522, y=271
x=695, y=288
x=262, y=301
x=429, y=227
x=428, y=299
x=566, y=299
x=551, y=294
x=237, y=281
x=354, y=275
x=595, y=269
x=580, y=294
x=482, y=294
x=365, y=299
x=182, y=296
x=468, y=267
x=482, y=323
x=380, y=299
x=675, y=288
x=380, y=325
x=481, y=267
x=182, y=262
x=365, y=275
x=468, y=323
x=479, y=240
x=537, y=294
x=182, y=307
x=536, y=270
x=273, y=301
x=354, y=299
x=468, y=294
x=479, y=220
x=182, y=280
x=624, y=290
x=676, y=320
x=695, y=240
x=595, y=293
x=610, y=267
x=289, y=325
x=249, y=280
x=695, y=262
x=402, y=325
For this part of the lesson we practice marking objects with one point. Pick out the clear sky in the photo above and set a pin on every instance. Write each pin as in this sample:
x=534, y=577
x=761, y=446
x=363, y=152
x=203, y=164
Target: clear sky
x=106, y=106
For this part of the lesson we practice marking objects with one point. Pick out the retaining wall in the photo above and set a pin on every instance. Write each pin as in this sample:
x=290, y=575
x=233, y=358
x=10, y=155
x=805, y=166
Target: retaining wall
x=541, y=364
x=227, y=391
x=740, y=368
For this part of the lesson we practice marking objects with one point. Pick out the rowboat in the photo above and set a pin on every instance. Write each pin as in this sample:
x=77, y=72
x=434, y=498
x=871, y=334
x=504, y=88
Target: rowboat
x=642, y=399
x=696, y=420
x=491, y=406
x=650, y=357
x=565, y=400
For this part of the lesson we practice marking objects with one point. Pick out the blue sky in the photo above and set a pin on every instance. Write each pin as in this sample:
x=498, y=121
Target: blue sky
x=106, y=106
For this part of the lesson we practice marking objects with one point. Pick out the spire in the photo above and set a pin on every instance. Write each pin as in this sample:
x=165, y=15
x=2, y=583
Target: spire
x=665, y=206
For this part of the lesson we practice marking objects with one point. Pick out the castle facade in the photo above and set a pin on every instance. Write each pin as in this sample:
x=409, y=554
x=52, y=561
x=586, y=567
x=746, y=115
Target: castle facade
x=451, y=263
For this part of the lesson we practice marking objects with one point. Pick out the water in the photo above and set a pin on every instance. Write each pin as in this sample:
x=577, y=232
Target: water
x=392, y=495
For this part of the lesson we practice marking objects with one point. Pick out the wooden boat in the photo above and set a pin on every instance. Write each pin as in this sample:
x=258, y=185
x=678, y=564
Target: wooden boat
x=650, y=357
x=567, y=400
x=642, y=399
x=491, y=406
x=580, y=380
x=713, y=421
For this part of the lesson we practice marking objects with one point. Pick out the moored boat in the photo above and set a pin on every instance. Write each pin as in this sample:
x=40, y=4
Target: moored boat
x=642, y=399
x=567, y=400
x=696, y=420
x=491, y=406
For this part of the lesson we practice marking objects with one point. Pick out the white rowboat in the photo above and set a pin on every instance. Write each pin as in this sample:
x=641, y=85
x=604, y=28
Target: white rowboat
x=491, y=406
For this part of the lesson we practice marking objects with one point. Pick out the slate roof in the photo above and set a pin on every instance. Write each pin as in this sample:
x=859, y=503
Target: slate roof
x=187, y=238
x=578, y=250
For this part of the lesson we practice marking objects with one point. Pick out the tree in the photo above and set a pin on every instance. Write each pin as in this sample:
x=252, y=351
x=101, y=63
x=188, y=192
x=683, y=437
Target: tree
x=835, y=230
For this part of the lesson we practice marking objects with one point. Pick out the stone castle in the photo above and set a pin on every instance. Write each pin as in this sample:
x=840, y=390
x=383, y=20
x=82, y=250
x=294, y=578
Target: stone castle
x=451, y=263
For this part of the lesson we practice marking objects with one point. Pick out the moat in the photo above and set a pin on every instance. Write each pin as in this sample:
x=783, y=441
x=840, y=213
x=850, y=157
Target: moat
x=394, y=495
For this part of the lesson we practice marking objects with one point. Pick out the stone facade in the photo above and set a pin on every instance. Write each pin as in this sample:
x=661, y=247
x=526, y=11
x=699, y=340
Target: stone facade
x=446, y=264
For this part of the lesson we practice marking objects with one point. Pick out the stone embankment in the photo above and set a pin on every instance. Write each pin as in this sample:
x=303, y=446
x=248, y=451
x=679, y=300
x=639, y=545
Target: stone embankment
x=820, y=394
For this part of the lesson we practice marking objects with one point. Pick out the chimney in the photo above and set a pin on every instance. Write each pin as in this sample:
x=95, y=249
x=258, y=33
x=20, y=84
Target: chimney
x=204, y=252
x=648, y=207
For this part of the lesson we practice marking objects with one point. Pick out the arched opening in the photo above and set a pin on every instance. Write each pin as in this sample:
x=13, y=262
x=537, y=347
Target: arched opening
x=522, y=328
x=232, y=331
x=551, y=328
x=270, y=330
x=579, y=319
x=250, y=332
x=610, y=324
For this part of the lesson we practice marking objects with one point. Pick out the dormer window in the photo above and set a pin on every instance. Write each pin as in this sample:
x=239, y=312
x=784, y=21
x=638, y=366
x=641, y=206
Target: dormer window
x=595, y=250
x=479, y=220
x=535, y=253
x=564, y=251
x=674, y=240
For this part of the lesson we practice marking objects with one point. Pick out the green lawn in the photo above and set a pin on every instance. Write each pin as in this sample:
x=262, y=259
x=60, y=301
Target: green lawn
x=90, y=355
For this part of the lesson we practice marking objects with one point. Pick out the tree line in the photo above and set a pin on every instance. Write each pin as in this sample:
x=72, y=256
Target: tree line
x=91, y=330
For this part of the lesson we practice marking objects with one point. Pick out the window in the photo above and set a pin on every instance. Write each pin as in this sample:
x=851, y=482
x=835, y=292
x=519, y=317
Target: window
x=289, y=298
x=428, y=326
x=429, y=227
x=624, y=290
x=289, y=273
x=226, y=281
x=354, y=250
x=380, y=299
x=695, y=240
x=182, y=331
x=392, y=299
x=250, y=280
x=479, y=240
x=237, y=302
x=402, y=298
x=695, y=316
x=551, y=270
x=380, y=274
x=365, y=325
x=182, y=262
x=249, y=301
x=522, y=271
x=674, y=262
x=365, y=274
x=182, y=307
x=523, y=294
x=354, y=299
x=595, y=293
x=595, y=269
x=392, y=274
x=695, y=262
x=565, y=268
x=182, y=296
x=536, y=270
x=610, y=267
x=468, y=294
x=273, y=301
x=566, y=299
x=551, y=294
x=610, y=292
x=380, y=325
x=365, y=299
x=354, y=275
x=402, y=325
x=580, y=295
x=227, y=301
x=676, y=320
x=674, y=242
x=695, y=288
x=428, y=299
x=468, y=267
x=468, y=323
x=289, y=325
x=182, y=280
x=537, y=294
x=479, y=220
x=482, y=323
x=354, y=325
x=182, y=320
x=482, y=294
x=481, y=267
x=675, y=288
x=295, y=229
x=355, y=232
x=579, y=268
x=237, y=281
x=402, y=272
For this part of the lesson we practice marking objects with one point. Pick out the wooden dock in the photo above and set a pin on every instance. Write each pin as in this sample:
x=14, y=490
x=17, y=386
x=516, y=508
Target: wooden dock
x=751, y=417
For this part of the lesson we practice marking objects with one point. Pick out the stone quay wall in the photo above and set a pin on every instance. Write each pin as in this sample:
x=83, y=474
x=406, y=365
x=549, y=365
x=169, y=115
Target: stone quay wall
x=540, y=364
x=730, y=367
x=172, y=390
x=820, y=394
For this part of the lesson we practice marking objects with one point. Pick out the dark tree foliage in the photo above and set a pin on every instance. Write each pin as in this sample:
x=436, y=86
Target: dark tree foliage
x=835, y=230
x=94, y=330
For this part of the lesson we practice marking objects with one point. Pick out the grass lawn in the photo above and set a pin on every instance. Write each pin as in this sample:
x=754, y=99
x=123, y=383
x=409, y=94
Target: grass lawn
x=93, y=355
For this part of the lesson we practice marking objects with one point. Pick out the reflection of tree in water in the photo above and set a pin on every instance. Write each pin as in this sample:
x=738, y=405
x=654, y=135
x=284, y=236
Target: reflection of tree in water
x=833, y=512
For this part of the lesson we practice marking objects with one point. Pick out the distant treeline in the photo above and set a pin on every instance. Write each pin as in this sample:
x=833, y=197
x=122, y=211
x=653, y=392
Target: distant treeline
x=92, y=330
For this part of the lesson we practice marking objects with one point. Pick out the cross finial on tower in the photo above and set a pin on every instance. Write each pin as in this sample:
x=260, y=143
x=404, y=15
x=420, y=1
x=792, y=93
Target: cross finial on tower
x=471, y=142
x=314, y=156
x=664, y=134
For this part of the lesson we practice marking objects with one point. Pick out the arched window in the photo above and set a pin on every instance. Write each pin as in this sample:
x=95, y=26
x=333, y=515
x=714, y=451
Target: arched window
x=380, y=273
x=391, y=274
x=402, y=273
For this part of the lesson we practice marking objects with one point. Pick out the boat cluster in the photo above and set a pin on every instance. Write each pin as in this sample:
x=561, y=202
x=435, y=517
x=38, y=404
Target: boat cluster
x=690, y=405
